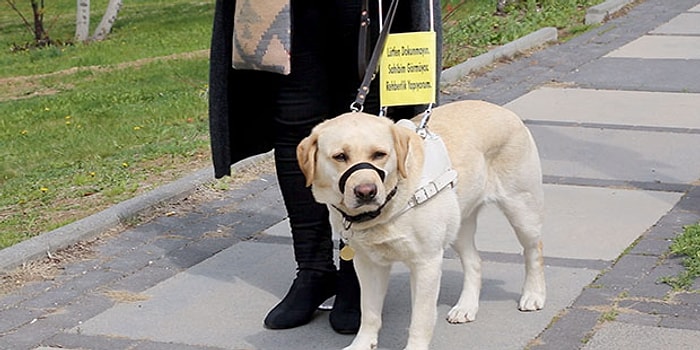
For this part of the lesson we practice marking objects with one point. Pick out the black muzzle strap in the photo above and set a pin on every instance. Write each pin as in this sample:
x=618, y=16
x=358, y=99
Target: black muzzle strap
x=354, y=168
x=348, y=220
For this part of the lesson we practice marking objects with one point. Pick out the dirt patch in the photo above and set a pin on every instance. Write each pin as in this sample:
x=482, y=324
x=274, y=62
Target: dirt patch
x=122, y=296
x=46, y=269
x=623, y=11
x=27, y=86
x=21, y=89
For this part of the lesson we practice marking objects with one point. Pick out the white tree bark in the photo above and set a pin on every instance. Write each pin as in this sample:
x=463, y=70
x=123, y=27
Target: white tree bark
x=82, y=21
x=107, y=21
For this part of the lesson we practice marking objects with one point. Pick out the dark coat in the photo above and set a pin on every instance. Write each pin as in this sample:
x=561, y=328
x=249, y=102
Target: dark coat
x=239, y=116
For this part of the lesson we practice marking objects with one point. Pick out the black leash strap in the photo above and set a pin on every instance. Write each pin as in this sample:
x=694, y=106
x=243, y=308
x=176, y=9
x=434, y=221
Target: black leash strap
x=363, y=42
x=371, y=69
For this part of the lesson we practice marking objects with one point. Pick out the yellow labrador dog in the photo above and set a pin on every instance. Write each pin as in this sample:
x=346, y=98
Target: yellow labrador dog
x=392, y=202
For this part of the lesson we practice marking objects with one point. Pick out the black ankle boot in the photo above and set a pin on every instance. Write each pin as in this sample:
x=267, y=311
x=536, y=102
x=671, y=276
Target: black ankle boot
x=309, y=290
x=345, y=316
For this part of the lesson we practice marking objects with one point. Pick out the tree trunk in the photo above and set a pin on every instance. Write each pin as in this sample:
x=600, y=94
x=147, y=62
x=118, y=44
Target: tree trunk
x=40, y=35
x=82, y=21
x=108, y=19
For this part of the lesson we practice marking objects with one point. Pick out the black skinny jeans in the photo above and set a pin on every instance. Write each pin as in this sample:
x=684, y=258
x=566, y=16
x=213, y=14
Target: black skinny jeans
x=322, y=84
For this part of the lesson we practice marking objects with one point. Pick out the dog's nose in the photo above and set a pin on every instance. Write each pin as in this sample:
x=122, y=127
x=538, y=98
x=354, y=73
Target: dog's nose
x=365, y=192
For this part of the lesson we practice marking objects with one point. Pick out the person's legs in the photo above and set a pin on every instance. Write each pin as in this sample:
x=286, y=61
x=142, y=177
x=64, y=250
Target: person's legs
x=322, y=84
x=313, y=248
x=302, y=102
x=345, y=315
x=311, y=234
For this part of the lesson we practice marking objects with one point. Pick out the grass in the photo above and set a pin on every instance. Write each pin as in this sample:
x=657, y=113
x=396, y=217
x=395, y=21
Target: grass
x=85, y=126
x=76, y=140
x=471, y=28
x=687, y=246
x=144, y=28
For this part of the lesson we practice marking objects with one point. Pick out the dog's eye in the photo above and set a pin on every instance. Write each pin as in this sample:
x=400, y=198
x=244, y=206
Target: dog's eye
x=340, y=157
x=378, y=155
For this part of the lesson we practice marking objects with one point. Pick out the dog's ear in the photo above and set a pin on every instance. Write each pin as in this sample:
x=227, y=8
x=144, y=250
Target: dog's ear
x=402, y=140
x=306, y=156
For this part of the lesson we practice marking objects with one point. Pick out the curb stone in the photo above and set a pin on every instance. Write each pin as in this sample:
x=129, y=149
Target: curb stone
x=96, y=224
x=594, y=15
x=532, y=40
x=598, y=13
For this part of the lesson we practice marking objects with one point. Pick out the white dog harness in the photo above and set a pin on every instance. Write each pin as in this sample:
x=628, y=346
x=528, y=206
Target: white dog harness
x=437, y=169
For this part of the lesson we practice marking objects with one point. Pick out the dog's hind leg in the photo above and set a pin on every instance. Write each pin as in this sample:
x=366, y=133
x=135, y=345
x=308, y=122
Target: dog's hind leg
x=468, y=305
x=524, y=211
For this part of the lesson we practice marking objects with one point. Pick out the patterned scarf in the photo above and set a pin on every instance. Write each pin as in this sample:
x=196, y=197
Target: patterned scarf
x=262, y=35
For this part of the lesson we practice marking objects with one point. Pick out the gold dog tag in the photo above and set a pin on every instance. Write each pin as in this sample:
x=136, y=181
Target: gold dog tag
x=347, y=253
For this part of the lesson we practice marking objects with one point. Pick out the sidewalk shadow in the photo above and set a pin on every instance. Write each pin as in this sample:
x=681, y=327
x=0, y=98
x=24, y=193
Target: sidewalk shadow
x=591, y=153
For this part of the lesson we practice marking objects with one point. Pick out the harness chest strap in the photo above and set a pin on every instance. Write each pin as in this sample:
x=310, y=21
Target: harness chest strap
x=448, y=178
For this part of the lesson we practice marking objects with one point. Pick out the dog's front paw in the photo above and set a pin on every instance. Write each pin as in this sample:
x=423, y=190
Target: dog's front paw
x=416, y=348
x=362, y=343
x=368, y=347
x=462, y=313
x=372, y=347
x=531, y=301
x=422, y=346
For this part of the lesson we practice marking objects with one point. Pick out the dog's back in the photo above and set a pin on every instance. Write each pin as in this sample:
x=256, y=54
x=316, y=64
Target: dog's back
x=489, y=146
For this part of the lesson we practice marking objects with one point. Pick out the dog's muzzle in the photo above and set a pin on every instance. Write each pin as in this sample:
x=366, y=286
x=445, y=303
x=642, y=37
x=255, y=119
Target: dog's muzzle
x=348, y=220
x=359, y=166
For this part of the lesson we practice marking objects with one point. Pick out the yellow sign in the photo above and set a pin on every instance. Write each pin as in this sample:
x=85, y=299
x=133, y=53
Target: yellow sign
x=407, y=69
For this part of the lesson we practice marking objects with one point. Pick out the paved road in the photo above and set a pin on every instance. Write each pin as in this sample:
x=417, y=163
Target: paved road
x=616, y=115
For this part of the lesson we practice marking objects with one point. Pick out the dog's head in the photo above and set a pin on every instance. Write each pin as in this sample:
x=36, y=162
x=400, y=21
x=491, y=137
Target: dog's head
x=354, y=161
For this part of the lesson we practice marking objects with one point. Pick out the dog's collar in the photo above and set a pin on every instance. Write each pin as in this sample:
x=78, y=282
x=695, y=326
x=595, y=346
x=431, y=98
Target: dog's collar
x=348, y=220
x=448, y=179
